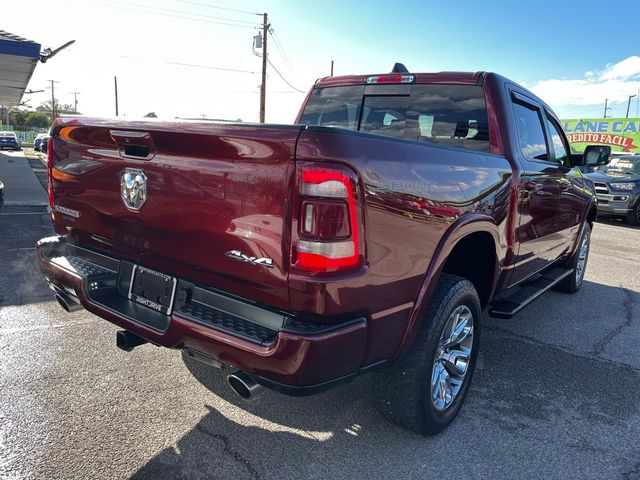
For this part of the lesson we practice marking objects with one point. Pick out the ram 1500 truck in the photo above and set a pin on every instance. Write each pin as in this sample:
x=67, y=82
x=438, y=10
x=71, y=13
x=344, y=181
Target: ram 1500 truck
x=370, y=236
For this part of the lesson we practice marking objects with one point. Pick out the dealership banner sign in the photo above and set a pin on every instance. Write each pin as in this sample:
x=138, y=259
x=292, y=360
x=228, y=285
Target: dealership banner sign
x=622, y=134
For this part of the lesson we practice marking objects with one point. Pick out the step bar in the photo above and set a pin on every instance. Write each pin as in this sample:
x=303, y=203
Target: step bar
x=516, y=298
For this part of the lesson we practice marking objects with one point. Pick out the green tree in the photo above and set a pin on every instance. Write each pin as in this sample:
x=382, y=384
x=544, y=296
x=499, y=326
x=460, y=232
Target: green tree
x=61, y=109
x=37, y=120
x=18, y=119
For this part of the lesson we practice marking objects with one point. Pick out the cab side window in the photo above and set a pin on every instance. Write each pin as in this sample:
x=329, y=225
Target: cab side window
x=530, y=131
x=560, y=149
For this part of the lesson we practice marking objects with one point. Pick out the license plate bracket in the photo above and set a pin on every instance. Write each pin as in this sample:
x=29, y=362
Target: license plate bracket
x=152, y=289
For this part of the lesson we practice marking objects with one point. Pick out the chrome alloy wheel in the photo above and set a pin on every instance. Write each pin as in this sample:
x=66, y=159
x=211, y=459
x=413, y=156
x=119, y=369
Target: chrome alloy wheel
x=452, y=358
x=582, y=260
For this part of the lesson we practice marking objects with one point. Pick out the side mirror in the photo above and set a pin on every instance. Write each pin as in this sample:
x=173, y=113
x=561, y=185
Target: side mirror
x=596, y=155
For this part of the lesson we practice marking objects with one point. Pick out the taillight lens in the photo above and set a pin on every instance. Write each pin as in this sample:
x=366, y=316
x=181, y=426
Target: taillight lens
x=328, y=222
x=50, y=167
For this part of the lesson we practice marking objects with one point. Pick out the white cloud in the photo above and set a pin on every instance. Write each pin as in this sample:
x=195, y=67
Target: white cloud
x=615, y=82
x=629, y=68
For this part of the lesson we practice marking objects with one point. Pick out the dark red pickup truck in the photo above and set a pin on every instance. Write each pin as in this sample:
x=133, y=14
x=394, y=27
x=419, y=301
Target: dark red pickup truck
x=368, y=237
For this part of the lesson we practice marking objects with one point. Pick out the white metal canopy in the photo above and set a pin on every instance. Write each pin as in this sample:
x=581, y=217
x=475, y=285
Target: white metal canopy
x=18, y=59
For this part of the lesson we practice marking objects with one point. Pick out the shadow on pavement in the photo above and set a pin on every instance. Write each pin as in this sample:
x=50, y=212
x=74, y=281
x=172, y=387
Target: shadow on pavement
x=21, y=281
x=617, y=222
x=543, y=402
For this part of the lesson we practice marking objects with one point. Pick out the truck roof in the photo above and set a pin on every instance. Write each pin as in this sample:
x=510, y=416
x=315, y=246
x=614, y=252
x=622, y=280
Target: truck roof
x=461, y=78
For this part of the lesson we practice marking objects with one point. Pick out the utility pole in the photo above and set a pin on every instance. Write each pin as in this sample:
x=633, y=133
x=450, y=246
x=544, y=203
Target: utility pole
x=115, y=84
x=629, y=104
x=606, y=100
x=75, y=102
x=53, y=100
x=332, y=68
x=263, y=85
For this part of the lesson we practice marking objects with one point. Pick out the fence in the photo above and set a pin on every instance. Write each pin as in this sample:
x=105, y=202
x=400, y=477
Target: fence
x=25, y=136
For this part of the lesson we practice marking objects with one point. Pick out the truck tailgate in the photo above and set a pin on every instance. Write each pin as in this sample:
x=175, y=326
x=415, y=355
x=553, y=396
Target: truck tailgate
x=213, y=208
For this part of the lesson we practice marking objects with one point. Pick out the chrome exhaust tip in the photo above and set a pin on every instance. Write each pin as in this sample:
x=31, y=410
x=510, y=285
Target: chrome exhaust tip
x=244, y=385
x=67, y=303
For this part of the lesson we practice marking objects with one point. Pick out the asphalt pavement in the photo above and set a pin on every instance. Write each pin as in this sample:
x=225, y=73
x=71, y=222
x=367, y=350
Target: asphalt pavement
x=556, y=393
x=21, y=186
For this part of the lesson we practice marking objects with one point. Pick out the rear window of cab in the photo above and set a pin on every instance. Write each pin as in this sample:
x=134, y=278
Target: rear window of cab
x=453, y=115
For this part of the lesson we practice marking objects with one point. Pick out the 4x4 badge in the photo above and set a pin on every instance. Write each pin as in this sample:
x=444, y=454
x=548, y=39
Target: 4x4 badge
x=241, y=257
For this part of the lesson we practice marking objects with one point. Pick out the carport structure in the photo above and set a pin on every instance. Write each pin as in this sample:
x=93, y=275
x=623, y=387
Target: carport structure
x=18, y=60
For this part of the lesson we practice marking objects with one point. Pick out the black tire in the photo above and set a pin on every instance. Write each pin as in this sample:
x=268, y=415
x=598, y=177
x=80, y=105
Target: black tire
x=633, y=217
x=403, y=394
x=573, y=282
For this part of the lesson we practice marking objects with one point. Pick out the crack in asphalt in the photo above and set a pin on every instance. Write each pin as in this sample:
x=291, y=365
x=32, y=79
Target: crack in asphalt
x=237, y=456
x=599, y=347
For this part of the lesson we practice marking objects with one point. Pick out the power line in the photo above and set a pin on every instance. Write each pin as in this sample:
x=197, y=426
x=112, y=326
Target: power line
x=281, y=50
x=183, y=64
x=193, y=16
x=219, y=8
x=283, y=79
x=182, y=12
x=209, y=67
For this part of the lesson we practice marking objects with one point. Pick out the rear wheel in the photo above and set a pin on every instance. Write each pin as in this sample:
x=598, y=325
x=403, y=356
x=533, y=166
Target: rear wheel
x=424, y=391
x=578, y=263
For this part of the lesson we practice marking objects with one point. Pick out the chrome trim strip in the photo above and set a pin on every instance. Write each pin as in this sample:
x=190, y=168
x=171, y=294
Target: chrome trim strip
x=391, y=311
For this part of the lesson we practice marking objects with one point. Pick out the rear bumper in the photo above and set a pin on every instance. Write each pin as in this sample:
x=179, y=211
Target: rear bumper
x=286, y=353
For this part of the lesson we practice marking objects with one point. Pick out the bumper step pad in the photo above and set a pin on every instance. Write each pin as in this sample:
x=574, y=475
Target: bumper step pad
x=226, y=322
x=82, y=267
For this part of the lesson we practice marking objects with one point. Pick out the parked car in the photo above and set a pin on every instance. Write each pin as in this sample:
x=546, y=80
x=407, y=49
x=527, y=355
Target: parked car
x=1, y=191
x=617, y=186
x=37, y=142
x=44, y=143
x=9, y=140
x=368, y=237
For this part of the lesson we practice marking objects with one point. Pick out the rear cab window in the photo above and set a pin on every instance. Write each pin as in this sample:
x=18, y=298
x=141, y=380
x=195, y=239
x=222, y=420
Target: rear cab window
x=453, y=115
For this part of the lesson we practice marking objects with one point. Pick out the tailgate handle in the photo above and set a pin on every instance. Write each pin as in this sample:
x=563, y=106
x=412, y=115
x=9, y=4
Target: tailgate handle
x=134, y=144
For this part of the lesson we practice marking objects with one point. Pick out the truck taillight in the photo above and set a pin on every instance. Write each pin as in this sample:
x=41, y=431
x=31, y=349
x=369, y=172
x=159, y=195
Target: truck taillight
x=328, y=222
x=390, y=79
x=49, y=167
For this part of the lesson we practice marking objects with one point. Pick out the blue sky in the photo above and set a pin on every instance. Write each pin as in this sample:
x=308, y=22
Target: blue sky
x=573, y=54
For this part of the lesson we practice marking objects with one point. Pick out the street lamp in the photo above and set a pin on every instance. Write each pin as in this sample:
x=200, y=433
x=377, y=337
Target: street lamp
x=629, y=104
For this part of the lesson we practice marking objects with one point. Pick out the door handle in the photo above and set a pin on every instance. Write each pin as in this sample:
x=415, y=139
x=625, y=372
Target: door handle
x=564, y=186
x=533, y=186
x=134, y=144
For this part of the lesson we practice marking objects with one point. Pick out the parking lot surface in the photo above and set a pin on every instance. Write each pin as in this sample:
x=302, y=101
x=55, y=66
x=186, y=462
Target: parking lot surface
x=556, y=393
